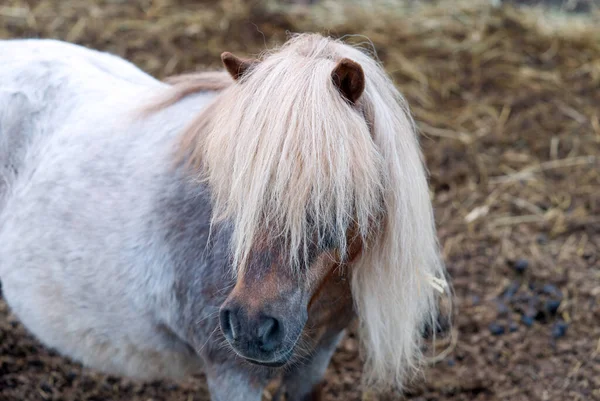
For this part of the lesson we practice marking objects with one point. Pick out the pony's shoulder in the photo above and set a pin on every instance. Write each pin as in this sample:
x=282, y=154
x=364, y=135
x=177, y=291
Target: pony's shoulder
x=51, y=74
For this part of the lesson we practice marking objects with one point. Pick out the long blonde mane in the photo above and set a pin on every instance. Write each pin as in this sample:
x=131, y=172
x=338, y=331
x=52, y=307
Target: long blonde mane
x=282, y=151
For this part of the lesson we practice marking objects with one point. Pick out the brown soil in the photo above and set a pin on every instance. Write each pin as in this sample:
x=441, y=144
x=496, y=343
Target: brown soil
x=508, y=105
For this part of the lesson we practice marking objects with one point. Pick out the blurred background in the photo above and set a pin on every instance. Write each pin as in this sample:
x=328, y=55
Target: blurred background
x=506, y=95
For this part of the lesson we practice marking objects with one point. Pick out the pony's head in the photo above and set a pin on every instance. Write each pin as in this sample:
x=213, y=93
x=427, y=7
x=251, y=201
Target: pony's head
x=312, y=157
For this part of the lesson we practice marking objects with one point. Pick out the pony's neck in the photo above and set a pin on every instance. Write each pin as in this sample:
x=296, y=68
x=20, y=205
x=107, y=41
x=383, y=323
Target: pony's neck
x=183, y=88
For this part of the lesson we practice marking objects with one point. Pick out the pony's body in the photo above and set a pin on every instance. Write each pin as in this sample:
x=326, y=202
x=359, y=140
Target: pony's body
x=111, y=254
x=81, y=195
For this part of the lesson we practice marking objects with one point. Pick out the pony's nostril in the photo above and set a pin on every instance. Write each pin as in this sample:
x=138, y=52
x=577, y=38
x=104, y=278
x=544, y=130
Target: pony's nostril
x=256, y=334
x=266, y=327
x=229, y=324
x=269, y=333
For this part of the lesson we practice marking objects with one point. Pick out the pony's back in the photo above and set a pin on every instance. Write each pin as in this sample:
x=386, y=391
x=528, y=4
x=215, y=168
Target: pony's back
x=42, y=84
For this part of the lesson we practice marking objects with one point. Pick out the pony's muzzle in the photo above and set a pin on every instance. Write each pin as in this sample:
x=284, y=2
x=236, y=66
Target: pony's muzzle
x=257, y=337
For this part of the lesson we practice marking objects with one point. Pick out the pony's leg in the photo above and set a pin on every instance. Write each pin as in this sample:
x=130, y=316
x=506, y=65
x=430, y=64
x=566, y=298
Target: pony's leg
x=305, y=381
x=227, y=383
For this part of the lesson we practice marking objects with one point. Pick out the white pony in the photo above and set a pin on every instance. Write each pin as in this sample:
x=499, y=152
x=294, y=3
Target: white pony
x=227, y=222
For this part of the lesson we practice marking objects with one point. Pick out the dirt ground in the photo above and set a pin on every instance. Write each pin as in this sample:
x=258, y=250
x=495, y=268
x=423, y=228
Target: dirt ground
x=507, y=101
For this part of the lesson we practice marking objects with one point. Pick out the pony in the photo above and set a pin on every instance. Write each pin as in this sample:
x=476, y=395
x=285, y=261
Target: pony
x=231, y=222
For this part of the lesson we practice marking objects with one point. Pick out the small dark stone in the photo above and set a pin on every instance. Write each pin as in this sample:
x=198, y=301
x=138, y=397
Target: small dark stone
x=552, y=306
x=9, y=383
x=511, y=290
x=46, y=388
x=71, y=376
x=520, y=265
x=550, y=289
x=527, y=320
x=155, y=383
x=496, y=329
x=542, y=239
x=522, y=297
x=501, y=308
x=541, y=316
x=513, y=326
x=534, y=307
x=53, y=353
x=559, y=329
x=86, y=384
x=36, y=363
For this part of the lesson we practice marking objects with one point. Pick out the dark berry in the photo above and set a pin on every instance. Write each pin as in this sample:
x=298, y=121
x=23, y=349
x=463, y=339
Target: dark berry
x=551, y=290
x=520, y=265
x=511, y=290
x=502, y=309
x=46, y=387
x=496, y=329
x=527, y=320
x=552, y=306
x=559, y=329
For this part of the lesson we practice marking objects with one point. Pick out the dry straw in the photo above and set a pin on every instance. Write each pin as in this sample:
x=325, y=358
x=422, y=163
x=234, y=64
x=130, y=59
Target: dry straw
x=507, y=101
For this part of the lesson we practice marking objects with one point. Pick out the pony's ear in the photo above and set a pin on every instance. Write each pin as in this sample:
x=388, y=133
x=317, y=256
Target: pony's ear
x=349, y=78
x=236, y=66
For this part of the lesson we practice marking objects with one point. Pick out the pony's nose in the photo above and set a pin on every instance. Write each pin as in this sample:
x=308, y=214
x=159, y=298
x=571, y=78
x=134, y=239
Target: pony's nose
x=260, y=331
